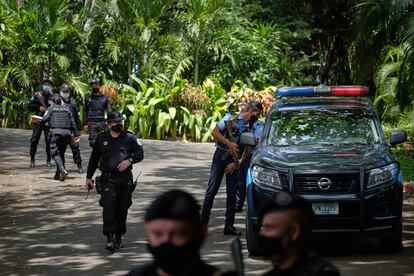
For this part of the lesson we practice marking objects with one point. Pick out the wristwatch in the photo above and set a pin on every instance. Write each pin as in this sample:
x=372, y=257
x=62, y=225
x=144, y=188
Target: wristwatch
x=130, y=159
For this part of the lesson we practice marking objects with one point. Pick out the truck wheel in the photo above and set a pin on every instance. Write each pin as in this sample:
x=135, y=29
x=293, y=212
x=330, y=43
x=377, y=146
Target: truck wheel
x=392, y=243
x=250, y=239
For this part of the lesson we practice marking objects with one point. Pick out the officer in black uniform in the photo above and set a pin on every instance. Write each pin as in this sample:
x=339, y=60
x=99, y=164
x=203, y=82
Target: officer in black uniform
x=285, y=235
x=115, y=151
x=175, y=235
x=38, y=104
x=71, y=103
x=94, y=111
x=62, y=130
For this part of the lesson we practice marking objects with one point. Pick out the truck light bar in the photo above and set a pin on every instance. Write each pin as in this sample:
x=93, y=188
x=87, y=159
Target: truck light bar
x=322, y=90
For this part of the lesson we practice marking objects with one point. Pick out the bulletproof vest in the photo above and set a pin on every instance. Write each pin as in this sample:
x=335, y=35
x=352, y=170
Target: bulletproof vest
x=96, y=106
x=60, y=117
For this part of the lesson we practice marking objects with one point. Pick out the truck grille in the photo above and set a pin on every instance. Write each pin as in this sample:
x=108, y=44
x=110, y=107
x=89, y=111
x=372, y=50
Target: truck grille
x=320, y=183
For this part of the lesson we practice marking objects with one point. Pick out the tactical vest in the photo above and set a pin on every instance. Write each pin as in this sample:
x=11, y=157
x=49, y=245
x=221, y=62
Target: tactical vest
x=60, y=117
x=96, y=106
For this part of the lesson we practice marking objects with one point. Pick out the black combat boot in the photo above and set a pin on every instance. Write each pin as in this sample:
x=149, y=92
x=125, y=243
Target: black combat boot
x=48, y=164
x=32, y=162
x=63, y=175
x=231, y=230
x=57, y=175
x=80, y=169
x=118, y=242
x=110, y=242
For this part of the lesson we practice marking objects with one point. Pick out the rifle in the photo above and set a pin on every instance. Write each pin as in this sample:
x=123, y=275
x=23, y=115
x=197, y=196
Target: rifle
x=134, y=185
x=237, y=256
x=235, y=155
x=39, y=96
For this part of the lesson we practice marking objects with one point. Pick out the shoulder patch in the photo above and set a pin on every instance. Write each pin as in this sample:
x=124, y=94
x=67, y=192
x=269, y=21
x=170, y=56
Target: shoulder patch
x=139, y=142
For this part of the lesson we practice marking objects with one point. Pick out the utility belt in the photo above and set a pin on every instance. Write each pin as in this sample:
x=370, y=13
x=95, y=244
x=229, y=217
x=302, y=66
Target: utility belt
x=97, y=119
x=117, y=174
x=102, y=179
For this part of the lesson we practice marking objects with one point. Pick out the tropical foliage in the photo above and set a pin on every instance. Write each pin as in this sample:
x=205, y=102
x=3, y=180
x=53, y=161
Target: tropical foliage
x=174, y=67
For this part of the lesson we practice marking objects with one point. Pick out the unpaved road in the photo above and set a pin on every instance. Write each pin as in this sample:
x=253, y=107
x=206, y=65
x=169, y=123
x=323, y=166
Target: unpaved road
x=48, y=228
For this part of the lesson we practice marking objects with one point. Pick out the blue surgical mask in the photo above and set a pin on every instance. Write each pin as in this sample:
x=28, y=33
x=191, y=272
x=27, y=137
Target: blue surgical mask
x=46, y=88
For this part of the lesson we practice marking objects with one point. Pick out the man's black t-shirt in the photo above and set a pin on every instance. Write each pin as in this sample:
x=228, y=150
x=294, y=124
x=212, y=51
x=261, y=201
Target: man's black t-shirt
x=309, y=265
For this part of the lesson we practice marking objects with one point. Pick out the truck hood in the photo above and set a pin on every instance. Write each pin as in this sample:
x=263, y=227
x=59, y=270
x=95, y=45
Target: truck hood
x=324, y=156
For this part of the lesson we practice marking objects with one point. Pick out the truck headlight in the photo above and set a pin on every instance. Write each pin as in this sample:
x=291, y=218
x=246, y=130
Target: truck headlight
x=382, y=177
x=265, y=177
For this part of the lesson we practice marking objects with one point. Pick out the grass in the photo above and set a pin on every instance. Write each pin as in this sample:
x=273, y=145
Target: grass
x=405, y=157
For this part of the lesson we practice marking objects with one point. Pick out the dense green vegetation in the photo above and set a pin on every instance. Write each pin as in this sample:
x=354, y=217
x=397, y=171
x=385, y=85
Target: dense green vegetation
x=179, y=65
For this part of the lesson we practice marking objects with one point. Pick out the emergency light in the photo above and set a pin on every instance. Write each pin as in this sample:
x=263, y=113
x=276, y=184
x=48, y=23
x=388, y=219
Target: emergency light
x=322, y=90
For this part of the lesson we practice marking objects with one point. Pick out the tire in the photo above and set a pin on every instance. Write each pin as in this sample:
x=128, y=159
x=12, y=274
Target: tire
x=250, y=238
x=392, y=243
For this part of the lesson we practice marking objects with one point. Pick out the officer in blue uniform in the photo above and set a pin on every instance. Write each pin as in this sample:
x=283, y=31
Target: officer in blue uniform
x=224, y=163
x=255, y=127
x=38, y=104
x=68, y=100
x=62, y=130
x=114, y=152
x=94, y=108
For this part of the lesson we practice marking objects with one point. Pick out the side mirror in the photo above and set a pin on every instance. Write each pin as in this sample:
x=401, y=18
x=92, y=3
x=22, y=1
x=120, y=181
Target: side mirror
x=248, y=139
x=398, y=137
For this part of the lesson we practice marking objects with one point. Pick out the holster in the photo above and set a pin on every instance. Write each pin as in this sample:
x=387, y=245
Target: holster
x=99, y=184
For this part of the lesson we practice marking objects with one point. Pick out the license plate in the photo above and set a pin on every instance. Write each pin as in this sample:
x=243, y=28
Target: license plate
x=325, y=208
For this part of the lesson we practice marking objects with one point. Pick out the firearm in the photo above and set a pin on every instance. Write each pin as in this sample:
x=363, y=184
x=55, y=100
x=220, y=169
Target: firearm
x=237, y=256
x=235, y=155
x=39, y=96
x=134, y=185
x=89, y=189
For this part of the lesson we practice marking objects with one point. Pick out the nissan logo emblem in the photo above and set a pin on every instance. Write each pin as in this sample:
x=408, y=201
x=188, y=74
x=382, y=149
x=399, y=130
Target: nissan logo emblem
x=324, y=183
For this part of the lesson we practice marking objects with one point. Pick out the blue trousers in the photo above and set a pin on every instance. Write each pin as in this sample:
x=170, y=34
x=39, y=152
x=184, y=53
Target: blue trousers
x=216, y=176
x=241, y=188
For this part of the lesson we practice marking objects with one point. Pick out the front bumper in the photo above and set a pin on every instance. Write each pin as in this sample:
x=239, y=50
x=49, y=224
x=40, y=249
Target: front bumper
x=371, y=213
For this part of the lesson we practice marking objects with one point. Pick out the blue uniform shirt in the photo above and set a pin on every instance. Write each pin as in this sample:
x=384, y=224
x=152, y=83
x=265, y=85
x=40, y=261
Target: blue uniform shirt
x=257, y=130
x=243, y=126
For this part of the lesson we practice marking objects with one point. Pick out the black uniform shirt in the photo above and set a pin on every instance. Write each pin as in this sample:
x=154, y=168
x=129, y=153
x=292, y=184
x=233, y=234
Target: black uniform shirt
x=109, y=152
x=309, y=265
x=200, y=269
x=95, y=107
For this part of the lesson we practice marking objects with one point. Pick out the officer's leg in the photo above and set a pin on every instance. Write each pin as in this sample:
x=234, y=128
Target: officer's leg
x=231, y=190
x=76, y=154
x=216, y=176
x=47, y=143
x=92, y=130
x=123, y=198
x=241, y=187
x=34, y=141
x=55, y=151
x=108, y=202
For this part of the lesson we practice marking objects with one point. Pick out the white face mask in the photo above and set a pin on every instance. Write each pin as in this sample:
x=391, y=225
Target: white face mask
x=64, y=95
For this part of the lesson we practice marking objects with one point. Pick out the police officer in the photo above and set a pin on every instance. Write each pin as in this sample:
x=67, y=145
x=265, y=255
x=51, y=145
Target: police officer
x=255, y=127
x=62, y=130
x=71, y=103
x=285, y=235
x=224, y=163
x=39, y=103
x=94, y=111
x=115, y=151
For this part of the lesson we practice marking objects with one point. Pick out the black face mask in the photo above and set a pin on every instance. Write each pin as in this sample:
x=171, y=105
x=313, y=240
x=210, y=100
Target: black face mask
x=269, y=246
x=116, y=128
x=95, y=90
x=174, y=259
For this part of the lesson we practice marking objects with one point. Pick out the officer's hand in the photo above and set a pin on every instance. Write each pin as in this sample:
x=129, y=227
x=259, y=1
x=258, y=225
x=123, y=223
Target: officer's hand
x=89, y=184
x=76, y=139
x=230, y=168
x=42, y=109
x=124, y=165
x=233, y=147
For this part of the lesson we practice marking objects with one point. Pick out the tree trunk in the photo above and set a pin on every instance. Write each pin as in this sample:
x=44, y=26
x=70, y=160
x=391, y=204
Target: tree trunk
x=196, y=64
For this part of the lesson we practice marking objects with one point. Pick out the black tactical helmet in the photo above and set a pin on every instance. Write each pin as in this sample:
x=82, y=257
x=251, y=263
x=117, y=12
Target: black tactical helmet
x=95, y=81
x=56, y=99
x=65, y=86
x=46, y=81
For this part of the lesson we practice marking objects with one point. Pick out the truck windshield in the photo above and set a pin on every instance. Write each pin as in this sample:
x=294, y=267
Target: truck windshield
x=323, y=127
